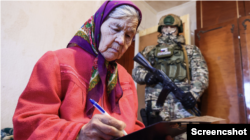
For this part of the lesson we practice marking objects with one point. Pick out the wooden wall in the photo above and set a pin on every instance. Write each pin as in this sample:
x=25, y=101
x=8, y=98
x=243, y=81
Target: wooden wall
x=244, y=31
x=215, y=12
x=224, y=42
x=219, y=46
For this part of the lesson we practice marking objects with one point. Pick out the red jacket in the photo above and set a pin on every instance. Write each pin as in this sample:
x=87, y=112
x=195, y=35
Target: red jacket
x=52, y=105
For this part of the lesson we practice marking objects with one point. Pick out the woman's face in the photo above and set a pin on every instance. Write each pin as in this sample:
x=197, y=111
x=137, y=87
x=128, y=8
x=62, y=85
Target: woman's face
x=116, y=37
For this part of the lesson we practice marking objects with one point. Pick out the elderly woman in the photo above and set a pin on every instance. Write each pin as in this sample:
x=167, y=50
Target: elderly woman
x=55, y=104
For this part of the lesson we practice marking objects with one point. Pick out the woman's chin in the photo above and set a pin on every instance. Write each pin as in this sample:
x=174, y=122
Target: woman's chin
x=110, y=58
x=110, y=55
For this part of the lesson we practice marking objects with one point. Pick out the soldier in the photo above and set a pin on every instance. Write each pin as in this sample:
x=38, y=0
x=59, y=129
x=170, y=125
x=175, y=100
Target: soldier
x=183, y=64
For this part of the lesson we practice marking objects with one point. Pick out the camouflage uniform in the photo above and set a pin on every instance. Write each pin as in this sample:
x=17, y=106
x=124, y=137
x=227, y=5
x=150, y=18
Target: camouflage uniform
x=173, y=108
x=7, y=134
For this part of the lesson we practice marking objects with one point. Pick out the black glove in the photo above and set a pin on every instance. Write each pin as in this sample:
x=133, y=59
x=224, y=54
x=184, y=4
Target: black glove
x=188, y=100
x=150, y=79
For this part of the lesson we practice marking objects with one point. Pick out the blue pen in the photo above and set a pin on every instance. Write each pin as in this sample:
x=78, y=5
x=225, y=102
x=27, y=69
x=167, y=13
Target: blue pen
x=97, y=106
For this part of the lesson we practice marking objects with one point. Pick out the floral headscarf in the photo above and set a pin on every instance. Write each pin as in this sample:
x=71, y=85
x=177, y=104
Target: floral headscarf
x=103, y=73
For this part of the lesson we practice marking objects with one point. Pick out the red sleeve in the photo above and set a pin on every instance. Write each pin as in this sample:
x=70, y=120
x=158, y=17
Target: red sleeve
x=37, y=113
x=138, y=125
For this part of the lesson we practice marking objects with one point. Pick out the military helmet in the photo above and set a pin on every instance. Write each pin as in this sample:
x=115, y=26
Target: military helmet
x=172, y=20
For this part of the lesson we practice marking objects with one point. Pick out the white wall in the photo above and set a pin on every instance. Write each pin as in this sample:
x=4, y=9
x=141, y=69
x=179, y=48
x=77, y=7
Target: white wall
x=180, y=10
x=29, y=29
x=148, y=15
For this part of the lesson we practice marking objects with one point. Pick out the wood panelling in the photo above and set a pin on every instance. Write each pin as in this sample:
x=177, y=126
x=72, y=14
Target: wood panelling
x=244, y=27
x=241, y=8
x=127, y=59
x=146, y=40
x=218, y=45
x=215, y=12
x=141, y=99
x=198, y=14
x=247, y=7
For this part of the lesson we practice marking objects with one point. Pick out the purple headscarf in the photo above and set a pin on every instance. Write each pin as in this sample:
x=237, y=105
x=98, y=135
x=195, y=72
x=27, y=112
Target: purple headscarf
x=88, y=38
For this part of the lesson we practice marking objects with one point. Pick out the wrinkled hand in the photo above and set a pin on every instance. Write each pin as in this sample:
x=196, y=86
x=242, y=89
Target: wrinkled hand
x=150, y=79
x=188, y=100
x=102, y=127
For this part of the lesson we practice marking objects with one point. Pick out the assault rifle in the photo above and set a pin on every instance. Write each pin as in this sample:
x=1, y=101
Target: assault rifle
x=168, y=85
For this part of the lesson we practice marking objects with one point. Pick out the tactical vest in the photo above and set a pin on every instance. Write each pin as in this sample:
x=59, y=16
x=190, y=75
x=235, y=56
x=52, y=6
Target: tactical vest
x=170, y=59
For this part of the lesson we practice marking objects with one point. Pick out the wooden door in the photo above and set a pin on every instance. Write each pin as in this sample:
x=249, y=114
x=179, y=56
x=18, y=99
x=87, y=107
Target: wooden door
x=220, y=47
x=127, y=59
x=247, y=7
x=211, y=13
x=244, y=27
